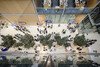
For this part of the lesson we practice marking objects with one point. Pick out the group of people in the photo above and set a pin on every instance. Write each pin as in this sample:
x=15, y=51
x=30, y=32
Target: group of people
x=78, y=2
x=3, y=24
x=90, y=42
x=60, y=3
x=42, y=31
x=37, y=49
x=72, y=27
x=45, y=30
x=21, y=28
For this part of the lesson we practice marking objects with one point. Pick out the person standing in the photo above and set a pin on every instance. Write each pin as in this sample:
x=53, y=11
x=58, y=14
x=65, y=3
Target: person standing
x=77, y=3
x=71, y=3
x=39, y=3
x=55, y=3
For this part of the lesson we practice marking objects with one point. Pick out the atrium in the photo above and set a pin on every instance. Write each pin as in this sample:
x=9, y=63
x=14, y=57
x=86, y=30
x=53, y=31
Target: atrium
x=49, y=33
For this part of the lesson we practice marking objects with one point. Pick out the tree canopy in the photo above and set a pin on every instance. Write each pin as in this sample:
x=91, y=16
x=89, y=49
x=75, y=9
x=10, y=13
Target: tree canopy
x=27, y=40
x=80, y=40
x=61, y=41
x=45, y=40
x=8, y=41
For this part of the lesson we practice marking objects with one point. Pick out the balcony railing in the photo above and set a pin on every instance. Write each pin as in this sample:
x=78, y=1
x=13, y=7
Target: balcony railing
x=66, y=11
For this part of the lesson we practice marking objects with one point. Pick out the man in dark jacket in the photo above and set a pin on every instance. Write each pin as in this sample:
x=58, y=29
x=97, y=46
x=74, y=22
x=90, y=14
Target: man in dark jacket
x=39, y=3
x=71, y=3
x=55, y=3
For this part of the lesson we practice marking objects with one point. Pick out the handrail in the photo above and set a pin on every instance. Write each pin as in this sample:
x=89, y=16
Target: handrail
x=91, y=10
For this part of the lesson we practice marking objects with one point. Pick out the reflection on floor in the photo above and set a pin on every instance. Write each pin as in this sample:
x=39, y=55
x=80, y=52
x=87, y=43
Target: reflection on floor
x=46, y=60
x=79, y=18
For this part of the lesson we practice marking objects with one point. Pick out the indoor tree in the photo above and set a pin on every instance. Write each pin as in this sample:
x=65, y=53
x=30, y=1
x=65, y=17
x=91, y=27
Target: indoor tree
x=61, y=41
x=50, y=42
x=58, y=39
x=8, y=41
x=26, y=61
x=26, y=40
x=84, y=63
x=80, y=40
x=45, y=40
x=14, y=61
x=64, y=41
x=18, y=44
